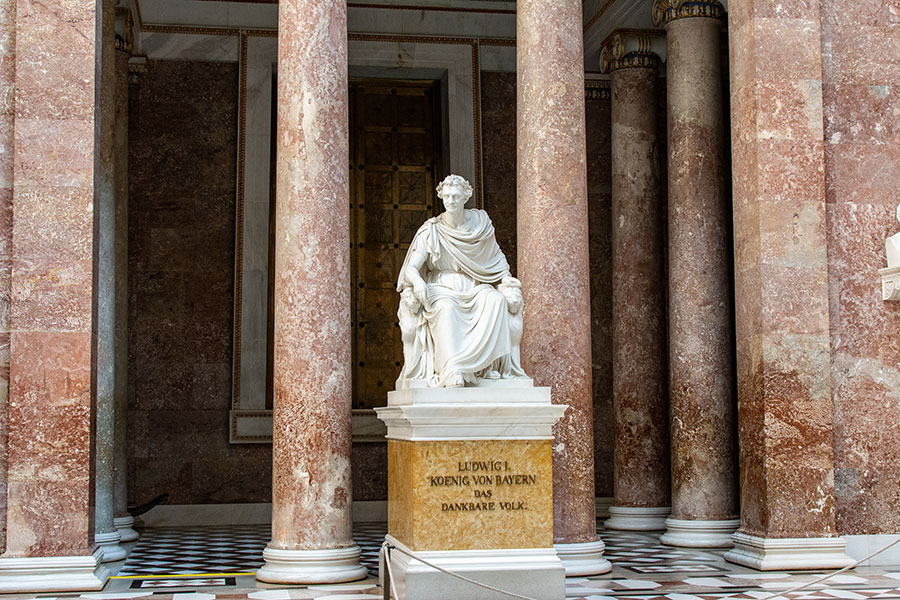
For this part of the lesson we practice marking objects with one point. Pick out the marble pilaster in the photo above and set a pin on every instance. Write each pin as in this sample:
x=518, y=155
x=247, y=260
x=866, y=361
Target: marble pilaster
x=702, y=408
x=552, y=224
x=105, y=533
x=7, y=121
x=785, y=414
x=49, y=467
x=641, y=469
x=311, y=496
x=123, y=521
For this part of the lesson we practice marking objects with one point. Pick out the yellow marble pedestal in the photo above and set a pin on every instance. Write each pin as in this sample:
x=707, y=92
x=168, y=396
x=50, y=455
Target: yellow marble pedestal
x=470, y=488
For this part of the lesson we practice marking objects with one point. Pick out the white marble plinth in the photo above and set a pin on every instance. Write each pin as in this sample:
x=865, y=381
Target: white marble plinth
x=335, y=565
x=699, y=534
x=109, y=545
x=581, y=560
x=125, y=525
x=534, y=572
x=637, y=518
x=890, y=283
x=52, y=574
x=495, y=412
x=785, y=554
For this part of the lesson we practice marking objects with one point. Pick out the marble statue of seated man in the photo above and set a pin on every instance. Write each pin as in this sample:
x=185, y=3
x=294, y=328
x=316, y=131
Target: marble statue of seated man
x=892, y=247
x=460, y=309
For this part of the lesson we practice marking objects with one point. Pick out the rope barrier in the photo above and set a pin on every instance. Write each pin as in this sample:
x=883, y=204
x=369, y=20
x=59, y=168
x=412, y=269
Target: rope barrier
x=387, y=548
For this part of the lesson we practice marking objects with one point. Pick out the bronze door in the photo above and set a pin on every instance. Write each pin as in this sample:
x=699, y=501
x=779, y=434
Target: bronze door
x=394, y=154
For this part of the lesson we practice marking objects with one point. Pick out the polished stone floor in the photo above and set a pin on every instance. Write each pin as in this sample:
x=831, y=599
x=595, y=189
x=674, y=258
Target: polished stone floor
x=217, y=563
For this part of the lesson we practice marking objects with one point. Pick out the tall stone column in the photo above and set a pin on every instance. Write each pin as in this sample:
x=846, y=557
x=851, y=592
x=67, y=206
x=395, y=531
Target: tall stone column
x=124, y=522
x=311, y=498
x=553, y=259
x=785, y=407
x=50, y=488
x=702, y=406
x=641, y=468
x=105, y=533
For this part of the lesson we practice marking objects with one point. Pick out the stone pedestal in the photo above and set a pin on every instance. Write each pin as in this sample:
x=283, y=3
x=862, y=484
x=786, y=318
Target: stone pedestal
x=890, y=283
x=470, y=489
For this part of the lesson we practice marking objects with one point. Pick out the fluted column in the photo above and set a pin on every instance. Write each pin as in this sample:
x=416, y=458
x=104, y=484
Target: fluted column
x=641, y=468
x=311, y=497
x=702, y=405
x=122, y=519
x=105, y=533
x=553, y=259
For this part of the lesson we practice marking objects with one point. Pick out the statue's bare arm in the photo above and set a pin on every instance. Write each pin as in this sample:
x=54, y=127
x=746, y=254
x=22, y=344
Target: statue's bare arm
x=414, y=276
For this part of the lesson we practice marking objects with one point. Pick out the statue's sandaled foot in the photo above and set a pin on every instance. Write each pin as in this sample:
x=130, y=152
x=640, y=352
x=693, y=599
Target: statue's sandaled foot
x=455, y=380
x=492, y=374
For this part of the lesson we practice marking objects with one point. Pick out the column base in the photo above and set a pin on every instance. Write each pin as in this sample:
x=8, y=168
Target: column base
x=637, y=518
x=336, y=565
x=109, y=545
x=583, y=559
x=125, y=525
x=53, y=574
x=777, y=554
x=535, y=572
x=688, y=533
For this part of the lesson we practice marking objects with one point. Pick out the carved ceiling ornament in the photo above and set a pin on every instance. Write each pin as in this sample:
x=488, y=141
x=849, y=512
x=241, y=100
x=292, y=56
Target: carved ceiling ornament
x=632, y=49
x=666, y=11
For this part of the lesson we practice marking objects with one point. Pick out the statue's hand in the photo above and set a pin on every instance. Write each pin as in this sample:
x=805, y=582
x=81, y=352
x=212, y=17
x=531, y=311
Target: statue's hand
x=420, y=291
x=510, y=281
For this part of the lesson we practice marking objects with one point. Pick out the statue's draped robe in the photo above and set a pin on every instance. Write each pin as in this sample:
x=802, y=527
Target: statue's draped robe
x=467, y=328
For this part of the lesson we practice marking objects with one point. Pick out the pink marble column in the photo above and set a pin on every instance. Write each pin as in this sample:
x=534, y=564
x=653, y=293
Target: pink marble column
x=641, y=469
x=553, y=265
x=781, y=290
x=702, y=405
x=50, y=496
x=123, y=521
x=7, y=122
x=311, y=497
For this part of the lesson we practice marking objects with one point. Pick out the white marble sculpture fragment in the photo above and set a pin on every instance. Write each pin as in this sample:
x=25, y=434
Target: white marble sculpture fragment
x=460, y=309
x=892, y=247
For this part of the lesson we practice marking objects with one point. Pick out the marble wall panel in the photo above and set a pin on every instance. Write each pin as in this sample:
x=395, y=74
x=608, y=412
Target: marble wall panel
x=49, y=440
x=861, y=42
x=781, y=287
x=7, y=121
x=182, y=132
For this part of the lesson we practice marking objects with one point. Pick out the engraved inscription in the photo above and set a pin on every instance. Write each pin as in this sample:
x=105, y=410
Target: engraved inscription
x=483, y=478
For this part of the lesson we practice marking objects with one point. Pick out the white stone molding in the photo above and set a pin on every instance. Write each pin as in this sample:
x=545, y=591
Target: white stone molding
x=580, y=560
x=601, y=506
x=861, y=546
x=477, y=413
x=334, y=565
x=52, y=574
x=125, y=525
x=785, y=554
x=638, y=518
x=535, y=572
x=699, y=533
x=890, y=283
x=109, y=545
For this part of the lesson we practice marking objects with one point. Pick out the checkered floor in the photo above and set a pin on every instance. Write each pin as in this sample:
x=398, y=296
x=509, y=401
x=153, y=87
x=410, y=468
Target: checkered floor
x=643, y=569
x=223, y=550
